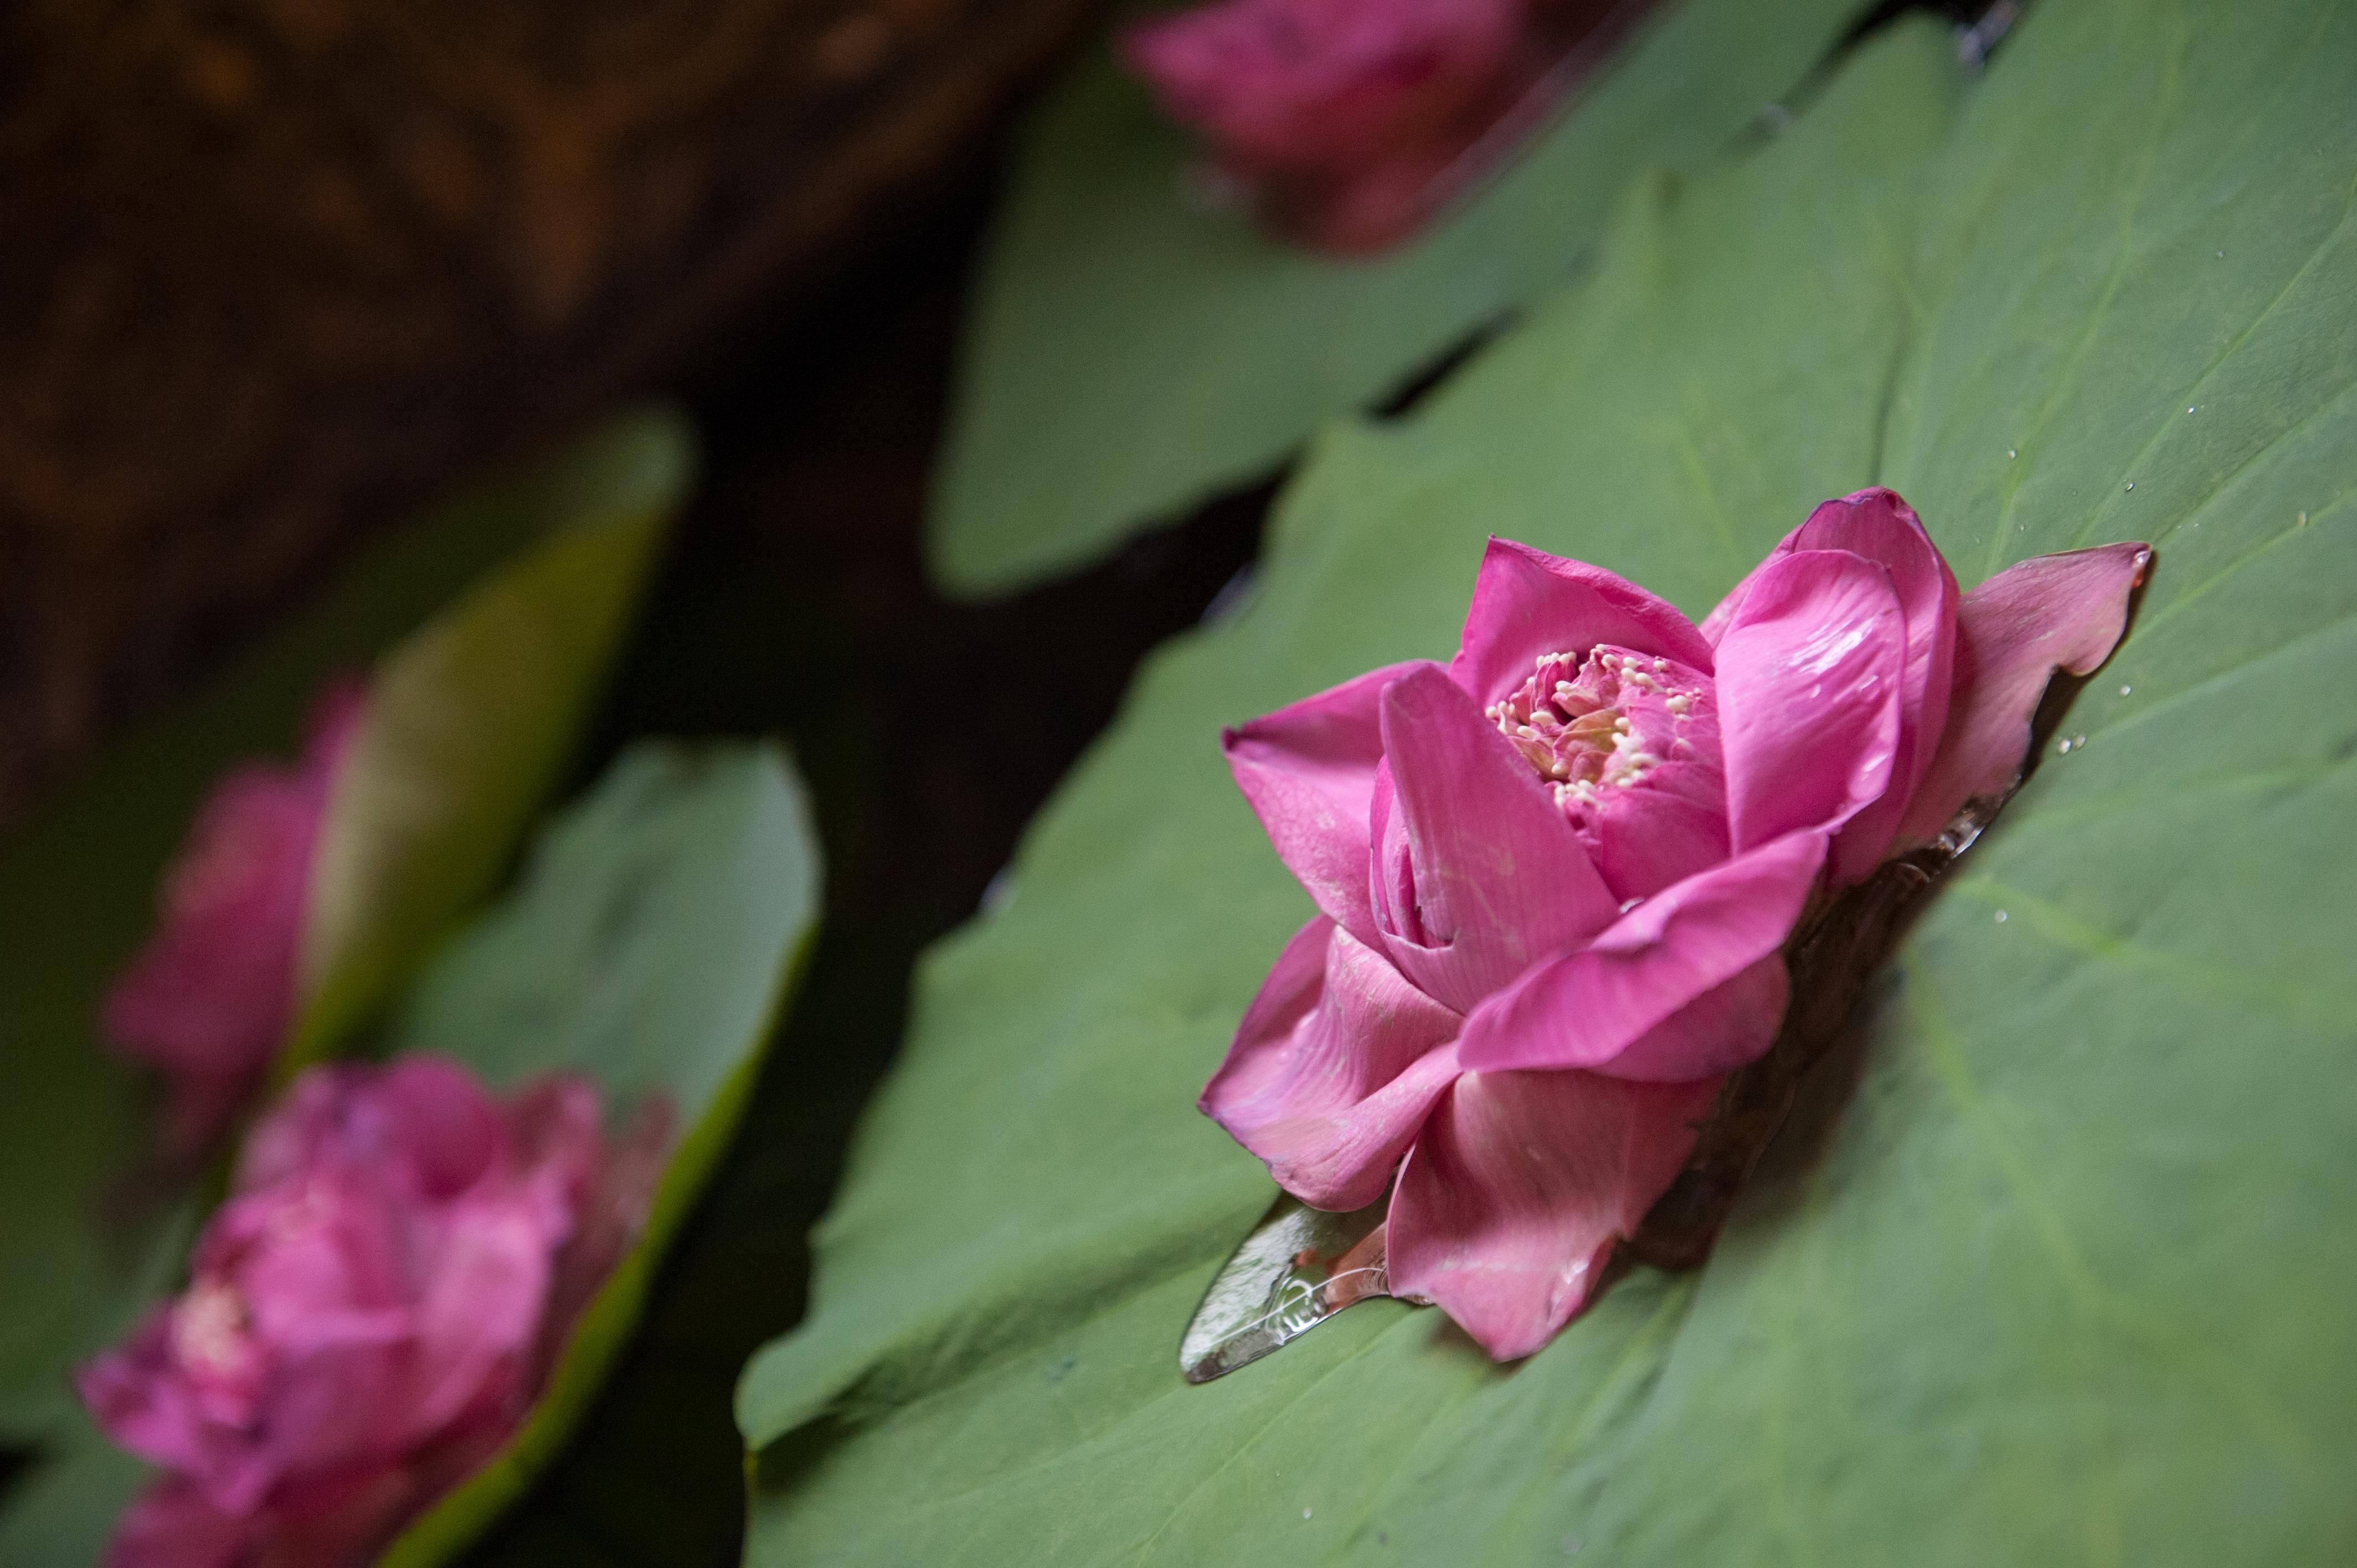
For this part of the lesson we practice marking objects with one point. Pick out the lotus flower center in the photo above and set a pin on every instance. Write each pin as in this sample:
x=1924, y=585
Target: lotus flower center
x=1603, y=721
x=211, y=1338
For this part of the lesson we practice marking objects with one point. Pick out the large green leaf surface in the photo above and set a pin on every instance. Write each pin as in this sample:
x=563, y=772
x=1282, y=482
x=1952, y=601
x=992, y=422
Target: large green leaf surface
x=87, y=1237
x=2061, y=1270
x=650, y=947
x=1132, y=352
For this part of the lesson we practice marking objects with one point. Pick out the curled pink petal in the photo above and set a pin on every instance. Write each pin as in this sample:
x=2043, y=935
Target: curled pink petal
x=1528, y=603
x=1877, y=525
x=476, y=1319
x=1811, y=692
x=1589, y=1008
x=2052, y=612
x=1519, y=1187
x=1336, y=1063
x=1309, y=772
x=1728, y=1026
x=1500, y=878
x=131, y=1395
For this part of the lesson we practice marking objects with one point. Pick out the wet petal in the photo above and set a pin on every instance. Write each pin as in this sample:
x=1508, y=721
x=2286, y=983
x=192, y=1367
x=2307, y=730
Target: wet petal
x=1528, y=603
x=1333, y=1069
x=1520, y=1185
x=1500, y=876
x=1629, y=1003
x=1811, y=686
x=1876, y=525
x=2014, y=631
x=1309, y=770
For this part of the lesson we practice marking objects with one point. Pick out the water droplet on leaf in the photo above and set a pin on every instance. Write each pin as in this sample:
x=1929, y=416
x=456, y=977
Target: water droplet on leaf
x=1298, y=1268
x=2000, y=916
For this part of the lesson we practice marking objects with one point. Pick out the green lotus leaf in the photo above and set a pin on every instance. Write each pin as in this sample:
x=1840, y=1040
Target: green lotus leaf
x=1131, y=353
x=2054, y=1267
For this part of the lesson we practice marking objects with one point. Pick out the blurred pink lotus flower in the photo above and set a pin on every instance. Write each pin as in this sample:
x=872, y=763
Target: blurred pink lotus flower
x=1554, y=876
x=1348, y=116
x=209, y=1000
x=371, y=1314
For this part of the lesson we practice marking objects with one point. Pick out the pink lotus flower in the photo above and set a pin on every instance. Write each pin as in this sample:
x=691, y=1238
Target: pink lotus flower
x=1554, y=876
x=371, y=1313
x=1354, y=106
x=211, y=997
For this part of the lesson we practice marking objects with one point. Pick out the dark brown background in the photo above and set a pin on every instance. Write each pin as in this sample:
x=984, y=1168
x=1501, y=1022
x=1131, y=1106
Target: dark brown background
x=277, y=271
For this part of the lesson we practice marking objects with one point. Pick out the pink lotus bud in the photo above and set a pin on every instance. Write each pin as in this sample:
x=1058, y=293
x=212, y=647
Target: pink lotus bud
x=211, y=997
x=1344, y=115
x=370, y=1315
x=1555, y=875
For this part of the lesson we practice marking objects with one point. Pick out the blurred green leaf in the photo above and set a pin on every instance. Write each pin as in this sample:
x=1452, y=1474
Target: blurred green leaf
x=1131, y=353
x=64, y=1511
x=468, y=724
x=85, y=1238
x=650, y=947
x=2060, y=1269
